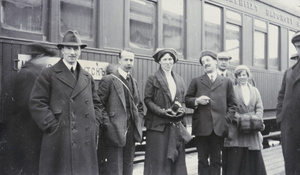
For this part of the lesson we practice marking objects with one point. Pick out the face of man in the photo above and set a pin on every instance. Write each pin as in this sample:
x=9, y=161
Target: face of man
x=126, y=61
x=71, y=53
x=209, y=64
x=166, y=62
x=223, y=63
x=297, y=46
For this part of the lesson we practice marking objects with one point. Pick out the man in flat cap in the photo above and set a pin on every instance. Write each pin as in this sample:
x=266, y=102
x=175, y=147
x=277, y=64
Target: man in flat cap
x=223, y=64
x=121, y=125
x=65, y=106
x=288, y=114
x=212, y=98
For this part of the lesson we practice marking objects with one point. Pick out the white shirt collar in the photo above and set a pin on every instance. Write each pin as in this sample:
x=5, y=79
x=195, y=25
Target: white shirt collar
x=168, y=73
x=123, y=73
x=213, y=73
x=222, y=72
x=69, y=66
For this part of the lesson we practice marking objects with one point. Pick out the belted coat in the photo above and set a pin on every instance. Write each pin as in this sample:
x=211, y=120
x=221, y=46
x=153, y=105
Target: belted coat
x=68, y=112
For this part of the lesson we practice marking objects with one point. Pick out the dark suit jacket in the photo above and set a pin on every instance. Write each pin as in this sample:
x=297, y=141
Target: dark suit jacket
x=158, y=96
x=111, y=93
x=216, y=115
x=68, y=111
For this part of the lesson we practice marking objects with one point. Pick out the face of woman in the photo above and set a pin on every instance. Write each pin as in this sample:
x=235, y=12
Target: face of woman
x=166, y=62
x=242, y=78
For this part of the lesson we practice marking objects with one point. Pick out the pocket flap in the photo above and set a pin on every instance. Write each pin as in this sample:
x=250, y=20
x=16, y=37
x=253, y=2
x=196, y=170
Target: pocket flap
x=57, y=111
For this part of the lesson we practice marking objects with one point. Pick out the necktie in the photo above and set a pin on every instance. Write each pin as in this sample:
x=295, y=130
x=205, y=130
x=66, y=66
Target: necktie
x=212, y=78
x=72, y=70
x=222, y=74
x=127, y=77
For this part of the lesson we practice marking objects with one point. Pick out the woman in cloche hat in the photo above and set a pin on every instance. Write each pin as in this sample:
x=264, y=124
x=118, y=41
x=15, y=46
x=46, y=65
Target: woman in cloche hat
x=164, y=95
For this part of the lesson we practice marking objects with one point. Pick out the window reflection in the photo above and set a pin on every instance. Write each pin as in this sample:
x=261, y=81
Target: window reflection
x=23, y=15
x=173, y=24
x=212, y=21
x=233, y=40
x=273, y=47
x=259, y=49
x=142, y=24
x=77, y=15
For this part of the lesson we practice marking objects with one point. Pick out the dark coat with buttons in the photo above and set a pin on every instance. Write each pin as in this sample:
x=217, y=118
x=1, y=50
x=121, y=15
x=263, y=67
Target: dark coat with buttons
x=68, y=113
x=218, y=113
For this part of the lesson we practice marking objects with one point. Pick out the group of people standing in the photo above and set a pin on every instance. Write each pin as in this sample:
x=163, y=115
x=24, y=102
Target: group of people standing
x=73, y=114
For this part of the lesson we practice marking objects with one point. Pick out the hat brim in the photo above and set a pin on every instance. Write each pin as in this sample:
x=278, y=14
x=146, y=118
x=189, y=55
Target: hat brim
x=224, y=57
x=60, y=45
x=157, y=56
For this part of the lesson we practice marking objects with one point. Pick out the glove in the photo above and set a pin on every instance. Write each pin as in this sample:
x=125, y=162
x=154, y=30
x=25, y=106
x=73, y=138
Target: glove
x=167, y=113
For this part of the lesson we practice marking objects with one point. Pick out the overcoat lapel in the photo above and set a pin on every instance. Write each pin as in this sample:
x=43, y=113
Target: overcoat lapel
x=161, y=78
x=296, y=72
x=119, y=88
x=218, y=82
x=82, y=81
x=64, y=75
x=206, y=81
x=135, y=93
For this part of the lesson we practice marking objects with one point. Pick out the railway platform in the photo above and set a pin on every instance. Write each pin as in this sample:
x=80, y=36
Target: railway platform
x=272, y=156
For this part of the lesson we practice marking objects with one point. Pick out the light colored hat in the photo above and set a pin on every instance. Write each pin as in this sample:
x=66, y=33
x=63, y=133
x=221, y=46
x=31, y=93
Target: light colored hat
x=242, y=67
x=296, y=37
x=224, y=55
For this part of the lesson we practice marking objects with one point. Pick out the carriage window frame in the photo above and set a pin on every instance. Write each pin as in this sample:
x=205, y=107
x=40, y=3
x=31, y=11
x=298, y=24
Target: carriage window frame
x=158, y=31
x=260, y=27
x=273, y=42
x=219, y=44
x=91, y=41
x=34, y=35
x=234, y=19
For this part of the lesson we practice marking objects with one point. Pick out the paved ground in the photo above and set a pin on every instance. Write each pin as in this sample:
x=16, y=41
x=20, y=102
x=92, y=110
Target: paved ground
x=272, y=157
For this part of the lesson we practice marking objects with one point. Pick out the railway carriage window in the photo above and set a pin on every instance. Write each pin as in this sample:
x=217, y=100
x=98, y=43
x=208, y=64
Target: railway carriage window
x=292, y=49
x=173, y=24
x=233, y=35
x=22, y=15
x=273, y=61
x=212, y=27
x=142, y=24
x=77, y=15
x=260, y=44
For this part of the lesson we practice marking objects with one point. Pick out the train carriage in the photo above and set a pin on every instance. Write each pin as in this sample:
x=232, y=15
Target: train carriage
x=256, y=33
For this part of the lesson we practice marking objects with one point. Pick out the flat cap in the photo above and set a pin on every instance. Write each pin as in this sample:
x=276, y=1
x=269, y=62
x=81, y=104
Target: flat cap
x=208, y=53
x=161, y=52
x=296, y=37
x=224, y=55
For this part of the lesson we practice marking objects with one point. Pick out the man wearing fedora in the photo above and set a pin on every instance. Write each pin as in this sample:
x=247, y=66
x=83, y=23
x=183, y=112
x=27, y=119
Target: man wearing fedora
x=212, y=98
x=65, y=106
x=288, y=114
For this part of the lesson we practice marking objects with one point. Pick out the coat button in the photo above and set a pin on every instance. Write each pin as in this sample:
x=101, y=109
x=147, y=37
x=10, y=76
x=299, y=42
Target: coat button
x=86, y=101
x=45, y=122
x=87, y=115
x=87, y=143
x=87, y=128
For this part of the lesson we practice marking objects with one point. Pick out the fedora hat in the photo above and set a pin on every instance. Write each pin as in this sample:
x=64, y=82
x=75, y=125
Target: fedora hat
x=71, y=38
x=39, y=49
x=161, y=52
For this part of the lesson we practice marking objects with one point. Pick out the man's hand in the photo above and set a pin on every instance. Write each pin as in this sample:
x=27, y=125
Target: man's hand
x=203, y=100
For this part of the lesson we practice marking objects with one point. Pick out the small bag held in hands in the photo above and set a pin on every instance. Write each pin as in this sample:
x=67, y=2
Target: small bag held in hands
x=250, y=123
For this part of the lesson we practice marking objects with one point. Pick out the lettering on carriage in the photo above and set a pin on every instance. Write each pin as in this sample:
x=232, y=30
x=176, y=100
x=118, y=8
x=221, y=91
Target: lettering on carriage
x=279, y=16
x=244, y=3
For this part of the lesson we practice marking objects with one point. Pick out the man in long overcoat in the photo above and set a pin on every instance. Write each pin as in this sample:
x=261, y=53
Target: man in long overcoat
x=212, y=98
x=288, y=114
x=65, y=106
x=121, y=125
x=24, y=135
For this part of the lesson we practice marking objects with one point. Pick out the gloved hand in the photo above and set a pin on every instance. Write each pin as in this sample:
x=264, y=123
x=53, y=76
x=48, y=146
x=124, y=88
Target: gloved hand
x=168, y=113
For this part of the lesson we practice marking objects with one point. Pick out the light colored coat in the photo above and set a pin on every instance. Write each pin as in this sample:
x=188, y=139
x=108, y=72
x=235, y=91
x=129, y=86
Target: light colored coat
x=253, y=141
x=71, y=109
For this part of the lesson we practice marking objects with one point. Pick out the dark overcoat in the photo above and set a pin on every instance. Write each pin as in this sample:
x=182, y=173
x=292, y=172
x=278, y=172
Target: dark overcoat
x=288, y=115
x=114, y=118
x=157, y=98
x=218, y=113
x=68, y=112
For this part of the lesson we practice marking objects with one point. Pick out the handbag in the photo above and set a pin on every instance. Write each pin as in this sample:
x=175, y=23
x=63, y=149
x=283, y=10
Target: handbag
x=249, y=123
